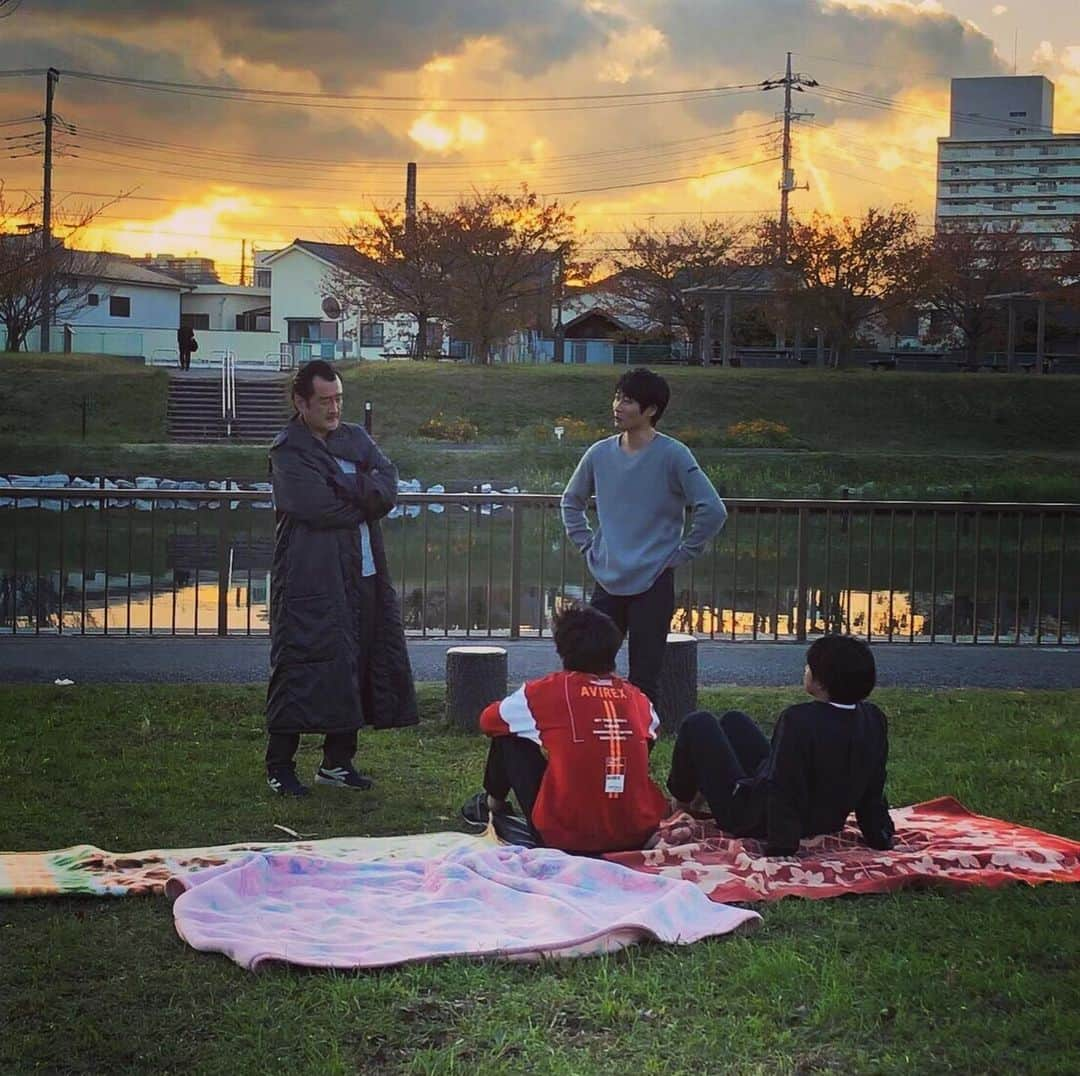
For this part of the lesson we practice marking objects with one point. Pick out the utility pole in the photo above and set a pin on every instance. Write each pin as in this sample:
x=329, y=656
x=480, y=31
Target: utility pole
x=787, y=173
x=52, y=77
x=243, y=262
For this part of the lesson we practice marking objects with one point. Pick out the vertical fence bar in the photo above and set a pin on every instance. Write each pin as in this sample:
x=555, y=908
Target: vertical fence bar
x=446, y=570
x=802, y=541
x=105, y=611
x=424, y=535
x=975, y=579
x=734, y=569
x=933, y=575
x=757, y=563
x=130, y=558
x=37, y=568
x=776, y=580
x=224, y=550
x=60, y=587
x=515, y=570
x=1061, y=583
x=1018, y=627
x=491, y=564
x=172, y=629
x=82, y=597
x=404, y=554
x=688, y=619
x=153, y=535
x=468, y=568
x=911, y=575
x=198, y=564
x=250, y=561
x=849, y=519
x=542, y=588
x=955, y=569
x=870, y=576
x=15, y=507
x=892, y=568
x=997, y=582
x=563, y=542
x=712, y=589
x=1039, y=578
x=828, y=570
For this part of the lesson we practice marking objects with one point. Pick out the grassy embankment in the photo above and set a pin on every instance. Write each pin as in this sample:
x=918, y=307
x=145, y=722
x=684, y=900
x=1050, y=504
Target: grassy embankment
x=931, y=981
x=993, y=437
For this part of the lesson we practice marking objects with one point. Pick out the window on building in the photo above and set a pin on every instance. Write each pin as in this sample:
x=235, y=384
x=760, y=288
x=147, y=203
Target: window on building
x=262, y=278
x=1048, y=151
x=1003, y=188
x=93, y=299
x=371, y=334
x=960, y=188
x=302, y=330
x=1046, y=207
x=195, y=321
x=1048, y=185
x=954, y=171
x=1003, y=151
x=1018, y=115
x=119, y=306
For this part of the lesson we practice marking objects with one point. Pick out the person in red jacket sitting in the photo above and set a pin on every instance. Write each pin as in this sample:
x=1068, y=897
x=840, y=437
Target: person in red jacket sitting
x=574, y=748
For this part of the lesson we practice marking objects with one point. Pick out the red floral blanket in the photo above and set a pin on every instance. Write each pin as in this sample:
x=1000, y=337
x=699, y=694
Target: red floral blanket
x=937, y=843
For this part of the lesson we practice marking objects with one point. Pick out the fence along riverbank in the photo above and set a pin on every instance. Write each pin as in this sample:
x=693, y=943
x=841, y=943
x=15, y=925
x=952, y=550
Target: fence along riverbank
x=182, y=562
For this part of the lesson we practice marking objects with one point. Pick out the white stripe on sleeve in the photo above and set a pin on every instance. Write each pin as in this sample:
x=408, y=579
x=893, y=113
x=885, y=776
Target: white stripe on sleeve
x=514, y=710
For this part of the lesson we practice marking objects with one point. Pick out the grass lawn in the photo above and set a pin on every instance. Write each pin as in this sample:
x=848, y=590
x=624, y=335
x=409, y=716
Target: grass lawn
x=911, y=982
x=890, y=435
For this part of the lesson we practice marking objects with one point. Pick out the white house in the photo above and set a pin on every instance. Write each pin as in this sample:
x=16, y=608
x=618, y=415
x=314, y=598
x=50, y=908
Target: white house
x=310, y=320
x=228, y=307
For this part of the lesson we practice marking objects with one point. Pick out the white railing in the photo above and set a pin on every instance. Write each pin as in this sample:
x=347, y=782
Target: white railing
x=228, y=390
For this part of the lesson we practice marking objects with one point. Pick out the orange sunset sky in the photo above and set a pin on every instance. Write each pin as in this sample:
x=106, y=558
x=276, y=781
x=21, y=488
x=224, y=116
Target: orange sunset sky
x=492, y=92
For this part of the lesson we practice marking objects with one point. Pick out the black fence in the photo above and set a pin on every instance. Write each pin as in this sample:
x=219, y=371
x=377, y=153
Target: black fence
x=499, y=565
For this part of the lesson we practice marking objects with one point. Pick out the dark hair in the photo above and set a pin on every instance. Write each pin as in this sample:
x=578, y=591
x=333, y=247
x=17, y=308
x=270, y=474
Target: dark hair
x=586, y=639
x=843, y=666
x=646, y=389
x=303, y=381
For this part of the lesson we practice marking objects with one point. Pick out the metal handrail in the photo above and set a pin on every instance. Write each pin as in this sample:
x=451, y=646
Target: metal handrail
x=228, y=390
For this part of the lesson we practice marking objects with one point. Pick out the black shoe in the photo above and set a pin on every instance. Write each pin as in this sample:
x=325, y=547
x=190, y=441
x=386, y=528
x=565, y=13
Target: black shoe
x=475, y=810
x=343, y=777
x=513, y=829
x=286, y=783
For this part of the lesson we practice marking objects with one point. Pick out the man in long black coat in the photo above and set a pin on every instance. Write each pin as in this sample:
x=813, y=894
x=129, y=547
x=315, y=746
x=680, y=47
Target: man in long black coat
x=338, y=658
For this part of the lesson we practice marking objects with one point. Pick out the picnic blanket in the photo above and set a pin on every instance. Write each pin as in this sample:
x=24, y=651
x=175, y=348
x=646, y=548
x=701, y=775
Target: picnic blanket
x=495, y=901
x=83, y=870
x=939, y=842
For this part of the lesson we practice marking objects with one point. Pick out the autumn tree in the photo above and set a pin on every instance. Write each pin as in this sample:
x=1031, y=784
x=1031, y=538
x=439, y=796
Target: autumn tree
x=654, y=267
x=36, y=279
x=504, y=251
x=966, y=265
x=846, y=271
x=402, y=267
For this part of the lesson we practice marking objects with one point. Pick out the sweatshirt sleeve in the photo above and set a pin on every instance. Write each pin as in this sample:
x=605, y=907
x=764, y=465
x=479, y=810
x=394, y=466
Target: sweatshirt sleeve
x=787, y=792
x=709, y=513
x=872, y=809
x=575, y=500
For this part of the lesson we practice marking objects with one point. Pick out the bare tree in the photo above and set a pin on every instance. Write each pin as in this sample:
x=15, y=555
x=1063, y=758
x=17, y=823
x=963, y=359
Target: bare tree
x=403, y=267
x=503, y=252
x=849, y=271
x=966, y=265
x=33, y=279
x=655, y=266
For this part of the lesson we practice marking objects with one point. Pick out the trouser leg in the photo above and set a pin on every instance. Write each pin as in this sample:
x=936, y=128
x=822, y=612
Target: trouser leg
x=750, y=744
x=648, y=622
x=339, y=749
x=281, y=750
x=516, y=764
x=704, y=760
x=613, y=605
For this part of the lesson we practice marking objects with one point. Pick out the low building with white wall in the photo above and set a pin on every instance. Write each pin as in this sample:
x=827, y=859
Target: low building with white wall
x=228, y=307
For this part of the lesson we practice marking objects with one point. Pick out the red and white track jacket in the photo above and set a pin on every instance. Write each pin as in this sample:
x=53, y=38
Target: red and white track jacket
x=596, y=795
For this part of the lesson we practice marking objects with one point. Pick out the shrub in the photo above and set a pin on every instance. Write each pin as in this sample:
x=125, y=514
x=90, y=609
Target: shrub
x=441, y=427
x=759, y=433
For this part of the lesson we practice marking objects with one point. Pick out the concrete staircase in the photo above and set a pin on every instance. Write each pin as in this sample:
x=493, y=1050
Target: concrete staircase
x=194, y=412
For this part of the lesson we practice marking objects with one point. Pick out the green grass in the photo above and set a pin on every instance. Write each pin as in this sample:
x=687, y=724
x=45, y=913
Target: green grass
x=910, y=982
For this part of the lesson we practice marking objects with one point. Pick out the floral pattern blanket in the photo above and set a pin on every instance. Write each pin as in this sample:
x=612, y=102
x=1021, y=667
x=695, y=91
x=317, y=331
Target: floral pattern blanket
x=939, y=842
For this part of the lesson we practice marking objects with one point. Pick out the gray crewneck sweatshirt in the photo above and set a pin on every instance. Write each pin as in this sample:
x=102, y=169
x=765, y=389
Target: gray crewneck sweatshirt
x=641, y=502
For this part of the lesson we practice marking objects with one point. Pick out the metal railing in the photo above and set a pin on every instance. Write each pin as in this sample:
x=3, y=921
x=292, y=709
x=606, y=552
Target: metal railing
x=228, y=391
x=137, y=561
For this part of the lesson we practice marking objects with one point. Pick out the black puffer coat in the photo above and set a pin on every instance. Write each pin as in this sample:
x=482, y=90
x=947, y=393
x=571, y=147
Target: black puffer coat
x=314, y=604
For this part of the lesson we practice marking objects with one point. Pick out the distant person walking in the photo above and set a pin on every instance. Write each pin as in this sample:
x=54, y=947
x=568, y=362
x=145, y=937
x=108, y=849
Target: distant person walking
x=643, y=482
x=186, y=344
x=337, y=646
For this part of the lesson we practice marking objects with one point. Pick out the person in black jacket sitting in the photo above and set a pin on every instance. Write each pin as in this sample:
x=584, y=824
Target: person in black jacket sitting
x=827, y=758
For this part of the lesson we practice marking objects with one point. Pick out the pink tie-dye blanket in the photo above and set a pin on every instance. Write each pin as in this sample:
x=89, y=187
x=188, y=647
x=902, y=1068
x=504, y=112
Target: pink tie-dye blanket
x=939, y=842
x=505, y=902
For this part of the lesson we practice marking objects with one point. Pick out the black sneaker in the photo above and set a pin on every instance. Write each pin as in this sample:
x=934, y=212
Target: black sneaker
x=343, y=777
x=475, y=810
x=286, y=783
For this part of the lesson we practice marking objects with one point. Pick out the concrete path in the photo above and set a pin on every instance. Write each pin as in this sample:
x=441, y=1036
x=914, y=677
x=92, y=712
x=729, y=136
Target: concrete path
x=211, y=660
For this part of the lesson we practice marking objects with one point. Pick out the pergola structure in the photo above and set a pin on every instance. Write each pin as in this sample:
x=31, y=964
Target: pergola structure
x=747, y=282
x=1010, y=297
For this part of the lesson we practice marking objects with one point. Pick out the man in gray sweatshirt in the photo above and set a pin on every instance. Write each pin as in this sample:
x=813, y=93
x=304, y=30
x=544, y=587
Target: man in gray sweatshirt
x=643, y=482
